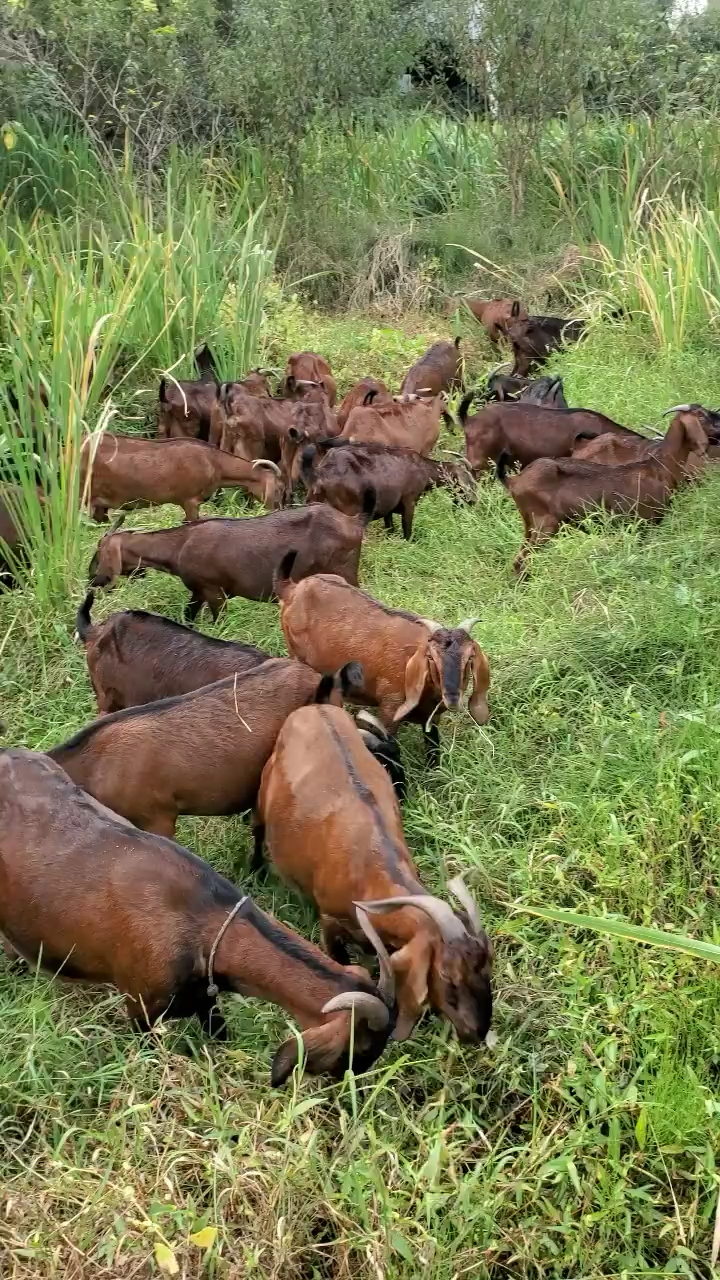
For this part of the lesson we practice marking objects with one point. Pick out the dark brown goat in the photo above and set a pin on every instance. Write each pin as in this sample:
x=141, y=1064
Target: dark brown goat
x=525, y=432
x=304, y=371
x=398, y=476
x=546, y=390
x=551, y=492
x=200, y=753
x=217, y=559
x=135, y=657
x=439, y=369
x=357, y=395
x=274, y=429
x=413, y=668
x=185, y=410
x=615, y=450
x=534, y=338
x=124, y=471
x=91, y=898
x=332, y=824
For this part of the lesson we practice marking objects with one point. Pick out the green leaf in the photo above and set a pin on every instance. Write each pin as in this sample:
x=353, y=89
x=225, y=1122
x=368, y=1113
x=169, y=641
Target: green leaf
x=166, y=1259
x=630, y=932
x=401, y=1246
x=641, y=1130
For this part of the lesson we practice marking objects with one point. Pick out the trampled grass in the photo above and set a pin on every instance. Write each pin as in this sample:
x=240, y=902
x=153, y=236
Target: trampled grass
x=585, y=1143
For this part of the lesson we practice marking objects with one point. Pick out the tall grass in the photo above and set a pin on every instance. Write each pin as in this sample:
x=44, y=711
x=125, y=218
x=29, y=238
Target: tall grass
x=91, y=308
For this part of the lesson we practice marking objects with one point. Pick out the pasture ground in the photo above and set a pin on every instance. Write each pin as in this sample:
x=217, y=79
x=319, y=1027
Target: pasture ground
x=585, y=1144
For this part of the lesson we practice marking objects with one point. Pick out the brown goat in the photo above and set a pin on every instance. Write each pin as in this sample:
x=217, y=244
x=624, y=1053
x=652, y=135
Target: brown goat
x=398, y=476
x=185, y=410
x=274, y=429
x=127, y=471
x=332, y=824
x=357, y=396
x=91, y=898
x=413, y=668
x=524, y=431
x=495, y=315
x=200, y=753
x=217, y=559
x=615, y=450
x=533, y=338
x=135, y=657
x=552, y=492
x=409, y=422
x=439, y=369
x=306, y=370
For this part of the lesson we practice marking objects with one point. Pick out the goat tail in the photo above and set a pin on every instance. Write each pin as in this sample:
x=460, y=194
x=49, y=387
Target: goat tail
x=369, y=502
x=348, y=680
x=83, y=621
x=282, y=575
x=464, y=406
x=501, y=467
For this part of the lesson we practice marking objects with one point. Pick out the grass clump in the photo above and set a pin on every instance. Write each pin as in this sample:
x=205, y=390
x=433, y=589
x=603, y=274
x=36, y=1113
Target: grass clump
x=586, y=1142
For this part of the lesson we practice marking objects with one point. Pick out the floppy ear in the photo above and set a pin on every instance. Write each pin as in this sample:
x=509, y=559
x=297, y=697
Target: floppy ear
x=477, y=705
x=416, y=673
x=323, y=1048
x=412, y=966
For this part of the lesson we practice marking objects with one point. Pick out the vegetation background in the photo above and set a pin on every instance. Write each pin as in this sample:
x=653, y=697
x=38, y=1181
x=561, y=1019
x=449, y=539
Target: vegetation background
x=277, y=176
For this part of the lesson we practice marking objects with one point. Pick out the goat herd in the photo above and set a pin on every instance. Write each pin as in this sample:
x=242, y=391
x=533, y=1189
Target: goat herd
x=92, y=884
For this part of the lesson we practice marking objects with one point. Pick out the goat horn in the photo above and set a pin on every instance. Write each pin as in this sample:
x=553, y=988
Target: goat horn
x=307, y=382
x=467, y=625
x=459, y=888
x=265, y=373
x=678, y=408
x=267, y=464
x=374, y=726
x=386, y=985
x=451, y=928
x=372, y=1008
x=432, y=626
x=504, y=364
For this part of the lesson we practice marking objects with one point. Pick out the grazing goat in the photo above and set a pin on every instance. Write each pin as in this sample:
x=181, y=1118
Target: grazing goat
x=496, y=315
x=135, y=657
x=408, y=422
x=413, y=668
x=124, y=471
x=200, y=753
x=356, y=396
x=185, y=410
x=525, y=432
x=217, y=559
x=552, y=492
x=88, y=896
x=535, y=337
x=614, y=450
x=438, y=370
x=304, y=371
x=274, y=429
x=398, y=476
x=329, y=815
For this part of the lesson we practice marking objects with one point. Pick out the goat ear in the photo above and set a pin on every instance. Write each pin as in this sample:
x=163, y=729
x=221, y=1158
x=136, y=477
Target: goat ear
x=477, y=705
x=411, y=966
x=115, y=557
x=416, y=673
x=323, y=1046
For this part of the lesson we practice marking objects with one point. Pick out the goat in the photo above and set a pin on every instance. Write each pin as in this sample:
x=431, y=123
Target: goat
x=304, y=371
x=546, y=390
x=614, y=450
x=438, y=370
x=123, y=471
x=398, y=476
x=333, y=829
x=217, y=559
x=185, y=410
x=356, y=396
x=409, y=422
x=552, y=492
x=525, y=432
x=199, y=753
x=135, y=657
x=91, y=898
x=413, y=669
x=535, y=337
x=496, y=315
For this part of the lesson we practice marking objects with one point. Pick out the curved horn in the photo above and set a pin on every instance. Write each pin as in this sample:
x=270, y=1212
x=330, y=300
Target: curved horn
x=370, y=722
x=459, y=888
x=267, y=465
x=678, y=408
x=451, y=928
x=432, y=626
x=386, y=984
x=372, y=1008
x=266, y=373
x=307, y=382
x=467, y=625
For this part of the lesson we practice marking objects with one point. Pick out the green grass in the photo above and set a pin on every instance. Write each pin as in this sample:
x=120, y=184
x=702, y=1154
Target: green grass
x=585, y=1144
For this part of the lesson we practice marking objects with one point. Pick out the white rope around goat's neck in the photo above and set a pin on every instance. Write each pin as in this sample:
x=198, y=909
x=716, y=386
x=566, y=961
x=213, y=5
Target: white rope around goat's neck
x=212, y=989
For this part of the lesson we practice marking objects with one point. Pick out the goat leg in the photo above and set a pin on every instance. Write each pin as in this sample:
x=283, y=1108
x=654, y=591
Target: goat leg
x=257, y=861
x=432, y=744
